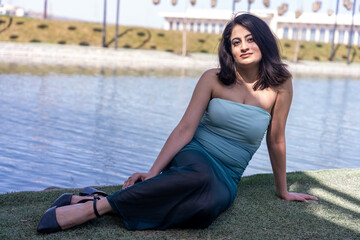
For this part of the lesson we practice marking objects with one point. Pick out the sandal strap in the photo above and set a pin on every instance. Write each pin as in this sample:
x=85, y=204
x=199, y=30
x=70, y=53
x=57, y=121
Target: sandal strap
x=96, y=197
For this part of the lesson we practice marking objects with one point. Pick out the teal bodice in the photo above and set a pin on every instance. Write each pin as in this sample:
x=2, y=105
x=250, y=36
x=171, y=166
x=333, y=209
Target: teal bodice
x=230, y=133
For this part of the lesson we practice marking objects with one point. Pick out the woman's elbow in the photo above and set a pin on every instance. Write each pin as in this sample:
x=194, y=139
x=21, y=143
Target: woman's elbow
x=185, y=131
x=275, y=141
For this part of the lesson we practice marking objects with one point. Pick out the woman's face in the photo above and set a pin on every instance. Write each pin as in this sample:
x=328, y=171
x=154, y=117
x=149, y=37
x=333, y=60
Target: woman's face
x=243, y=47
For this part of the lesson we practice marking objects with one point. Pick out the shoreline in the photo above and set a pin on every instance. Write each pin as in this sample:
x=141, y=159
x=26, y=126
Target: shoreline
x=57, y=188
x=71, y=55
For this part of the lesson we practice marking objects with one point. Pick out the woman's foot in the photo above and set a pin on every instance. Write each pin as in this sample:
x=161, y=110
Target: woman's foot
x=76, y=214
x=61, y=218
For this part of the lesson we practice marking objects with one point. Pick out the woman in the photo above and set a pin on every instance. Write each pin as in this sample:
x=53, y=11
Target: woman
x=195, y=176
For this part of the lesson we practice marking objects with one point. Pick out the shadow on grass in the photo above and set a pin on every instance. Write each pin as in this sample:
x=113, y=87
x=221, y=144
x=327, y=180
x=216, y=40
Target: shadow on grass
x=336, y=215
x=257, y=213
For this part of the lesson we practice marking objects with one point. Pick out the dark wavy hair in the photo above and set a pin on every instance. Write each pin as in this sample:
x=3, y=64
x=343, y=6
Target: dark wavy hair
x=272, y=71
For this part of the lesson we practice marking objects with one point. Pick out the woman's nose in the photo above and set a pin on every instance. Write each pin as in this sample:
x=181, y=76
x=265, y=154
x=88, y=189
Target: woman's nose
x=244, y=47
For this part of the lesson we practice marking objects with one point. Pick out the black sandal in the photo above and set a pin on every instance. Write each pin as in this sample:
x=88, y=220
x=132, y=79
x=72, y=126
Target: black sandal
x=96, y=197
x=65, y=199
x=49, y=224
x=90, y=191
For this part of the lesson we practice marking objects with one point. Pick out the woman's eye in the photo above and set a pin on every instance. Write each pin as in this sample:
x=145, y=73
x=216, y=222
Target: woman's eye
x=250, y=39
x=236, y=43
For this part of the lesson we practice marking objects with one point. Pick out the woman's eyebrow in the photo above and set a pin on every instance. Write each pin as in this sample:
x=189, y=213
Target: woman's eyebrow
x=237, y=38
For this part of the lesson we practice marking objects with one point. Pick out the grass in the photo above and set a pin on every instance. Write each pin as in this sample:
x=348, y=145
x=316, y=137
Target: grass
x=257, y=213
x=30, y=30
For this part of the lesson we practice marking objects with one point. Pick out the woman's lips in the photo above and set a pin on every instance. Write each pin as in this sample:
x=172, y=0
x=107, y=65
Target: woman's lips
x=245, y=55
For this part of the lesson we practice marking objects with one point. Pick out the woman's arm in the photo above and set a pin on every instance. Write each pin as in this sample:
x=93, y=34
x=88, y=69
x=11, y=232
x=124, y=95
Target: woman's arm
x=184, y=131
x=276, y=143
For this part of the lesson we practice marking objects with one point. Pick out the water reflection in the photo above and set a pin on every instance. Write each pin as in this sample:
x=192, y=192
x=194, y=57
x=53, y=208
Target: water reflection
x=74, y=127
x=45, y=70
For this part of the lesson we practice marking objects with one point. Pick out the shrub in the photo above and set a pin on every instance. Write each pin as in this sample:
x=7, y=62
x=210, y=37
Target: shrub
x=97, y=29
x=14, y=36
x=153, y=47
x=19, y=23
x=62, y=42
x=42, y=26
x=204, y=51
x=169, y=50
x=71, y=28
x=2, y=21
x=287, y=45
x=35, y=41
x=126, y=46
x=316, y=58
x=319, y=45
x=302, y=46
x=141, y=34
x=161, y=35
x=201, y=40
x=84, y=44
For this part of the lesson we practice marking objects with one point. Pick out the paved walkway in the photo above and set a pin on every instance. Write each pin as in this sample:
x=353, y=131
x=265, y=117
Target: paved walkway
x=32, y=53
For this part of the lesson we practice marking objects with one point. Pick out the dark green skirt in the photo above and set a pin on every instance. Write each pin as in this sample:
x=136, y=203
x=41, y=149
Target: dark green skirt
x=189, y=193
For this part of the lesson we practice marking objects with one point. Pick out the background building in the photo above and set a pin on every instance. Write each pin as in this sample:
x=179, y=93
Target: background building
x=317, y=27
x=10, y=10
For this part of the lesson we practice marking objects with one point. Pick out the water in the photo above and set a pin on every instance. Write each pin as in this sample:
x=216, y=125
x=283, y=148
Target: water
x=80, y=127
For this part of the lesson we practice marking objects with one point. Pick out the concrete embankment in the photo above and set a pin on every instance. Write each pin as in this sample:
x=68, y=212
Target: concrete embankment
x=51, y=54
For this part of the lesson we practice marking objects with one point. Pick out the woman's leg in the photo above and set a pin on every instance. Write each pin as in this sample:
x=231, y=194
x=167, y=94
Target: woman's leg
x=76, y=199
x=76, y=214
x=188, y=193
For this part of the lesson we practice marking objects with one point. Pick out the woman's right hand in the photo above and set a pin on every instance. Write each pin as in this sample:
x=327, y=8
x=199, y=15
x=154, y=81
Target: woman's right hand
x=137, y=177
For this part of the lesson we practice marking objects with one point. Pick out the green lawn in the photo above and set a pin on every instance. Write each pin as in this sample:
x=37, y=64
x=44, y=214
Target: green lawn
x=257, y=212
x=25, y=30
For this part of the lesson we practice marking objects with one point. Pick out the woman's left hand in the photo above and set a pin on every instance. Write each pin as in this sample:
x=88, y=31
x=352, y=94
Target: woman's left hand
x=300, y=197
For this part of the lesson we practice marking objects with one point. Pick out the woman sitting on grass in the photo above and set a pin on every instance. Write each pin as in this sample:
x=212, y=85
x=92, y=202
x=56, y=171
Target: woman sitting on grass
x=195, y=176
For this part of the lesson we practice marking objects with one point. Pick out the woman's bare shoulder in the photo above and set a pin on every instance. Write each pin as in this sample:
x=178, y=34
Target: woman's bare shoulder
x=284, y=87
x=212, y=72
x=210, y=75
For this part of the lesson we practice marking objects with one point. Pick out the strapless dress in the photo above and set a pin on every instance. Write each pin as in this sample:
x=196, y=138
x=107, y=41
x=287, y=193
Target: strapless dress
x=201, y=181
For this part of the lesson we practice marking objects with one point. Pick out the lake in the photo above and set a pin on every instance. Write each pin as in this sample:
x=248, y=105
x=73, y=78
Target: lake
x=77, y=127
